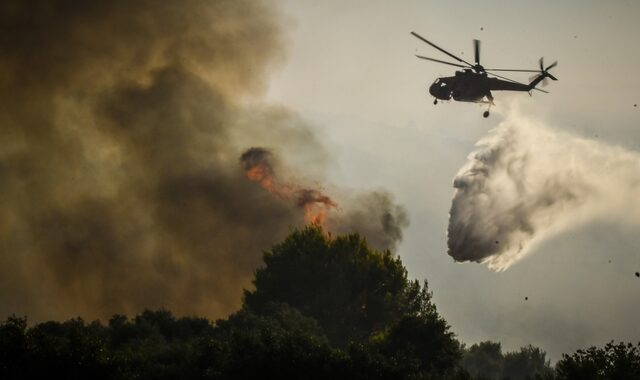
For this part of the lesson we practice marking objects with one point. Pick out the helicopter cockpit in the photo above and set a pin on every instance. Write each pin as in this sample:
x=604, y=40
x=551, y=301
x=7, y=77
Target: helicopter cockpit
x=440, y=89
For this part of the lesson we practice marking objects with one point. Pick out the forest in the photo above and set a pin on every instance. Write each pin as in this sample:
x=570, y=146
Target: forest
x=320, y=307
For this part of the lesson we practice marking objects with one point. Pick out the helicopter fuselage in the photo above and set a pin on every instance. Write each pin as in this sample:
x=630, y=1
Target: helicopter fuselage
x=469, y=86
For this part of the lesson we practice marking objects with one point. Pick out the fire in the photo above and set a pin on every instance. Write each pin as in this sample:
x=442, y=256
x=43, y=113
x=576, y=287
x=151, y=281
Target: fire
x=315, y=204
x=262, y=175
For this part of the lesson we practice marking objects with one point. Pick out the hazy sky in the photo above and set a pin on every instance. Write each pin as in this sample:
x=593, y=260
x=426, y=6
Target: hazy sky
x=350, y=69
x=123, y=125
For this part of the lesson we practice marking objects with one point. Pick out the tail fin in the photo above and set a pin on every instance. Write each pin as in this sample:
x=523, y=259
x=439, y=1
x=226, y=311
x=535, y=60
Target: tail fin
x=544, y=74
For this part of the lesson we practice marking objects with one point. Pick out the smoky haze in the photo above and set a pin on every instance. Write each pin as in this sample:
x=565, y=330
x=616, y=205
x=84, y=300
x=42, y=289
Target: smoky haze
x=527, y=182
x=121, y=130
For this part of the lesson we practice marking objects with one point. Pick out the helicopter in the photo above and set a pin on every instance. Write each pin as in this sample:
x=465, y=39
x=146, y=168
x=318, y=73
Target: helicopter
x=474, y=83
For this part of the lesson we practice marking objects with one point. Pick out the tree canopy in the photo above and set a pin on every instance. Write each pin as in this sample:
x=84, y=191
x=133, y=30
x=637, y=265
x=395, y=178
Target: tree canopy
x=321, y=307
x=613, y=361
x=485, y=360
x=350, y=289
x=358, y=296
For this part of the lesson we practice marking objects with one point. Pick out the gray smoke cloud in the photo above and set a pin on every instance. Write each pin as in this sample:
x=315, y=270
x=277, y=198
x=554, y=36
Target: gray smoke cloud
x=373, y=214
x=121, y=129
x=527, y=182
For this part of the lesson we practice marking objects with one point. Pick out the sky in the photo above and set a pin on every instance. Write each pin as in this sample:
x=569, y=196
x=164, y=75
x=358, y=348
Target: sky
x=350, y=69
x=150, y=152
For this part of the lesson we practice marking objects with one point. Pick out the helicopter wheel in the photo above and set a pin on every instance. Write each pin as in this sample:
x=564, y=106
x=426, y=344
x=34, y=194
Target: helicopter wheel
x=485, y=114
x=435, y=101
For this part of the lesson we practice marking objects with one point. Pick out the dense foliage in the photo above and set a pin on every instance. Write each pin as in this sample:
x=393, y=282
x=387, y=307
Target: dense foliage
x=613, y=361
x=351, y=290
x=485, y=360
x=321, y=308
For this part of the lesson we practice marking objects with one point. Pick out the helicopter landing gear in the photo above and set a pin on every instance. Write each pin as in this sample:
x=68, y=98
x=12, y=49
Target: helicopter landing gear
x=435, y=101
x=485, y=114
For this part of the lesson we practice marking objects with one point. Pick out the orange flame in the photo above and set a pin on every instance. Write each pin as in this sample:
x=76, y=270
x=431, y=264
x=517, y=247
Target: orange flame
x=262, y=175
x=314, y=203
x=315, y=206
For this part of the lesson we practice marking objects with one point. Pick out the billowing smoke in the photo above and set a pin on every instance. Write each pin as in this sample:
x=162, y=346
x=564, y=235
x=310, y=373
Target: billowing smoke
x=527, y=182
x=120, y=131
x=374, y=214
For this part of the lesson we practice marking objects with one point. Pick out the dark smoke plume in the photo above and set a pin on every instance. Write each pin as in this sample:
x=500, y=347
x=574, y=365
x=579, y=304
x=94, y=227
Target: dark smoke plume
x=258, y=160
x=121, y=127
x=374, y=215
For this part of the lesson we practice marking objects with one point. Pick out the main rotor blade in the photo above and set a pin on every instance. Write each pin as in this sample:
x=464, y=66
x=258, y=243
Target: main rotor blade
x=441, y=49
x=437, y=60
x=509, y=79
x=476, y=49
x=524, y=71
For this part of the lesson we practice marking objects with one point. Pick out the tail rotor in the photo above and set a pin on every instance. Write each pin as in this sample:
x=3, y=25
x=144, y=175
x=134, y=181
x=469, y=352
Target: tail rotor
x=544, y=72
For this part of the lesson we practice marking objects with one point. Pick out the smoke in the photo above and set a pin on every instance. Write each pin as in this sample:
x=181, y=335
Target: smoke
x=528, y=182
x=374, y=215
x=120, y=134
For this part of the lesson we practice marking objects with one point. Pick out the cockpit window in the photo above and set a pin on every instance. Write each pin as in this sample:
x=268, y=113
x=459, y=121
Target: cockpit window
x=437, y=81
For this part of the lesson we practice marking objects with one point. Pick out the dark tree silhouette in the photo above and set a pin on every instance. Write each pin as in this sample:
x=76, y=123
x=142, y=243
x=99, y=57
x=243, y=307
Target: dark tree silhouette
x=280, y=343
x=613, y=361
x=13, y=348
x=485, y=360
x=350, y=289
x=527, y=363
x=358, y=295
x=321, y=308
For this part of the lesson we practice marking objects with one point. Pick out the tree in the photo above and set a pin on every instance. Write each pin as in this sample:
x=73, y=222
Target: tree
x=70, y=350
x=362, y=300
x=279, y=343
x=156, y=345
x=322, y=307
x=613, y=361
x=13, y=348
x=485, y=360
x=350, y=289
x=420, y=346
x=527, y=363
